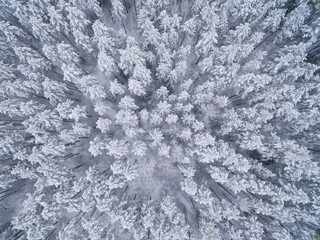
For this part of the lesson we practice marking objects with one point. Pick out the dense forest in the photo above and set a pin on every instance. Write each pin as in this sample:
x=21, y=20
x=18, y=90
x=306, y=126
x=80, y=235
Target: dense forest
x=159, y=119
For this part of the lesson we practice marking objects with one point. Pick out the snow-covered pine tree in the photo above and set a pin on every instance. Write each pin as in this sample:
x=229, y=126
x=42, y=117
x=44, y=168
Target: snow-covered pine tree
x=144, y=119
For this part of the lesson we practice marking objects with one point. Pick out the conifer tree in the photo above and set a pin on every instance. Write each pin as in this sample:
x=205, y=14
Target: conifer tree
x=144, y=119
